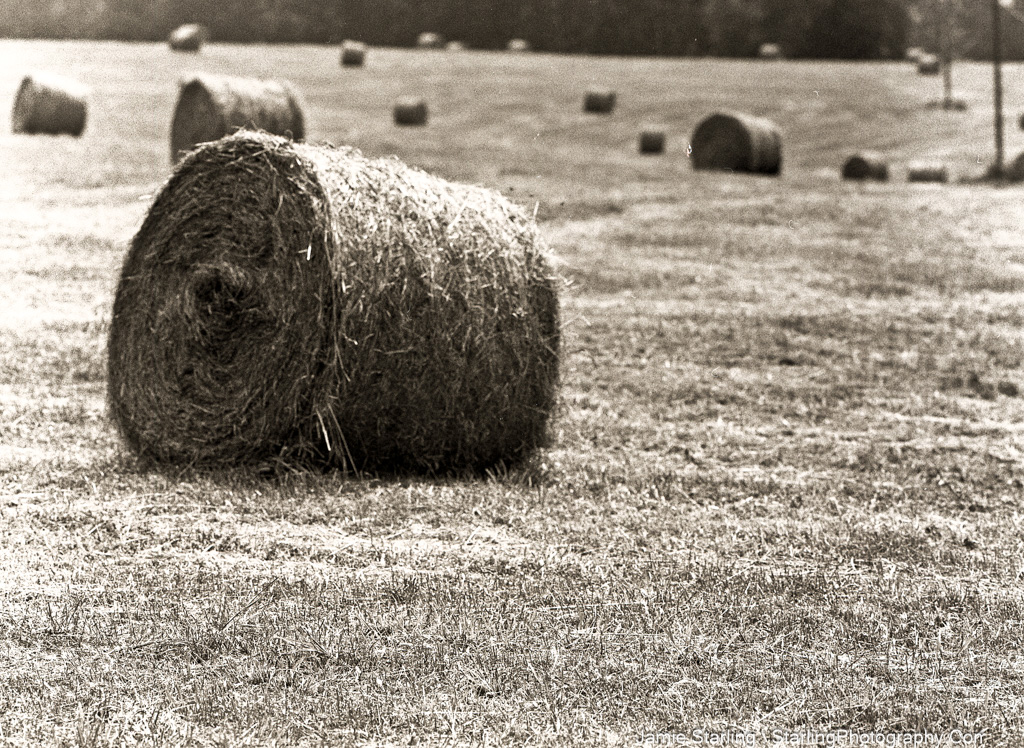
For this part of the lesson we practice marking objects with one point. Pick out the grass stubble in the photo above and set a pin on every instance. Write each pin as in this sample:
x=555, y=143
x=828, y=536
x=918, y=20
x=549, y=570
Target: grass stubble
x=783, y=494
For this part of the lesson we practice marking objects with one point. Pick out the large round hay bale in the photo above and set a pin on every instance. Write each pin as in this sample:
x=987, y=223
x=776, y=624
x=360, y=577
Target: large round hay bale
x=599, y=101
x=306, y=303
x=189, y=37
x=769, y=51
x=410, y=111
x=733, y=141
x=212, y=106
x=927, y=171
x=929, y=64
x=50, y=105
x=353, y=54
x=518, y=45
x=652, y=140
x=429, y=40
x=866, y=165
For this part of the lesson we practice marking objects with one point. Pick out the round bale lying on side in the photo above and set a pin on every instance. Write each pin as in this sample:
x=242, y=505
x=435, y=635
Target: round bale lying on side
x=652, y=140
x=429, y=40
x=410, y=111
x=599, y=101
x=455, y=46
x=50, y=105
x=189, y=37
x=733, y=141
x=285, y=301
x=769, y=51
x=212, y=106
x=353, y=54
x=866, y=165
x=518, y=45
x=929, y=64
x=927, y=171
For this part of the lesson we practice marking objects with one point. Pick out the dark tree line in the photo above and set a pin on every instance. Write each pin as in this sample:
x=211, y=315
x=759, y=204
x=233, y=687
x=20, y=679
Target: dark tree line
x=846, y=29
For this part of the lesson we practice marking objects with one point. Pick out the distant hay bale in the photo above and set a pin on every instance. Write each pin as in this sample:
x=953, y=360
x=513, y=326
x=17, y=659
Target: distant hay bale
x=429, y=40
x=769, y=51
x=599, y=101
x=455, y=46
x=913, y=54
x=353, y=54
x=866, y=165
x=652, y=140
x=50, y=105
x=410, y=111
x=212, y=106
x=1015, y=171
x=929, y=64
x=927, y=171
x=518, y=45
x=733, y=141
x=322, y=307
x=1020, y=121
x=189, y=37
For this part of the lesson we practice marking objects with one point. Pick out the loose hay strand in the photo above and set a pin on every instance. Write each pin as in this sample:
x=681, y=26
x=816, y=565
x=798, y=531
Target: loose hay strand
x=420, y=334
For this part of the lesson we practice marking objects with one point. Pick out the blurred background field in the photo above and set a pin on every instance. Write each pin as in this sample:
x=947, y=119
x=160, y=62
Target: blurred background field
x=785, y=485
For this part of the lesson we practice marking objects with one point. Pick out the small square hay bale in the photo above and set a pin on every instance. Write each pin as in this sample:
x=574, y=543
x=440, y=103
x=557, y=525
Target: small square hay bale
x=189, y=37
x=353, y=54
x=599, y=101
x=734, y=141
x=927, y=171
x=411, y=111
x=301, y=303
x=866, y=165
x=429, y=40
x=212, y=106
x=49, y=104
x=652, y=140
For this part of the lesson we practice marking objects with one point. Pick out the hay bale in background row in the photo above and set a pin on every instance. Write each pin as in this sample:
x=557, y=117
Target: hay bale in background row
x=212, y=106
x=652, y=140
x=866, y=165
x=1020, y=121
x=189, y=37
x=410, y=111
x=353, y=54
x=455, y=46
x=49, y=104
x=768, y=51
x=518, y=45
x=599, y=101
x=929, y=64
x=734, y=141
x=1015, y=171
x=927, y=171
x=913, y=54
x=429, y=40
x=322, y=306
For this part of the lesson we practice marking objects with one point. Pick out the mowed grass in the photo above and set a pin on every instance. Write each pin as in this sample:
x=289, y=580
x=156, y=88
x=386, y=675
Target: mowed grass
x=785, y=487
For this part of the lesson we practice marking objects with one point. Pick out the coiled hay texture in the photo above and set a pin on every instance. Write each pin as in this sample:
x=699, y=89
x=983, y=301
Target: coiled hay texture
x=353, y=54
x=599, y=101
x=927, y=171
x=866, y=165
x=49, y=104
x=769, y=51
x=928, y=64
x=189, y=37
x=212, y=106
x=429, y=40
x=734, y=141
x=410, y=111
x=652, y=140
x=305, y=303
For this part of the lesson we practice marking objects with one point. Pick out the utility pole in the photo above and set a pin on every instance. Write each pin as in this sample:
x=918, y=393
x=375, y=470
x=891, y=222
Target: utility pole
x=997, y=83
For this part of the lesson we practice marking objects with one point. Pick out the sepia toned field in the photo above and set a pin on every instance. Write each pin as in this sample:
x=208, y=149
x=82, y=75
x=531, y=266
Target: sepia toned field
x=785, y=491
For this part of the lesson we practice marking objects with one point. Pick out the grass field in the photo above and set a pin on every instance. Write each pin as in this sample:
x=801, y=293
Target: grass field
x=784, y=495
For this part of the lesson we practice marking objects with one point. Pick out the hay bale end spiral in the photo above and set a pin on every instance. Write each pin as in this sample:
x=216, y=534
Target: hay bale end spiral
x=733, y=141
